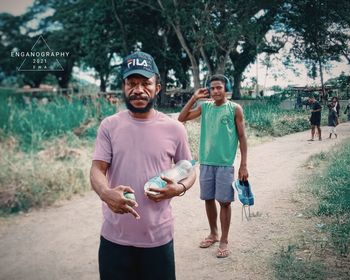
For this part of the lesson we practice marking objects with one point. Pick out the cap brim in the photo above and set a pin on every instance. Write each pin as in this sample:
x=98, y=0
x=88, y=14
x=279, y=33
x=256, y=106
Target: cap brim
x=144, y=73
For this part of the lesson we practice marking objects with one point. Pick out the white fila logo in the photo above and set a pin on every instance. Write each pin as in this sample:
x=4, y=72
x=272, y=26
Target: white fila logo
x=137, y=62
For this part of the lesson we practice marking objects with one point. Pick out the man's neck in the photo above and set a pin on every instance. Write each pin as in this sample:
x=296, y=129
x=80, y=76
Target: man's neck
x=143, y=116
x=220, y=102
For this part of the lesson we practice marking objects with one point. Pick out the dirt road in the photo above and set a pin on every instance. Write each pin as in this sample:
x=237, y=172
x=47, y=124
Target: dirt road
x=61, y=242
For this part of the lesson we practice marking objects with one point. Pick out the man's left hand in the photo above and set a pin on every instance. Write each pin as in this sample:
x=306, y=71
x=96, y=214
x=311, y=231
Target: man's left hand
x=243, y=173
x=170, y=190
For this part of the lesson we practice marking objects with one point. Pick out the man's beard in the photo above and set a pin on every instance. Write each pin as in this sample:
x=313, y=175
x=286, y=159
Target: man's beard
x=133, y=109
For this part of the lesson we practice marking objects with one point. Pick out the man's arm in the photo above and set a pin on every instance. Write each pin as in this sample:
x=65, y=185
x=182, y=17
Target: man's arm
x=186, y=113
x=243, y=146
x=114, y=198
x=172, y=188
x=319, y=108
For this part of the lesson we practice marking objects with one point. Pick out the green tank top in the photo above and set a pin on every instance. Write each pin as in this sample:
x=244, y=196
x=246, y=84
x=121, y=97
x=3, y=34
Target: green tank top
x=218, y=138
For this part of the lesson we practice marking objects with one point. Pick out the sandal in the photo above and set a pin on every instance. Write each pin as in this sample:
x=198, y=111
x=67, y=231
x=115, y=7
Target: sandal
x=222, y=253
x=207, y=242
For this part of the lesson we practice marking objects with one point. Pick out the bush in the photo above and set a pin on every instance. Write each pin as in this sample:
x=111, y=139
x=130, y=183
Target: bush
x=27, y=182
x=34, y=122
x=269, y=119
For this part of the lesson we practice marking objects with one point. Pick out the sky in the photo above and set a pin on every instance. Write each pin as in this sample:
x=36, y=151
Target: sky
x=15, y=7
x=18, y=7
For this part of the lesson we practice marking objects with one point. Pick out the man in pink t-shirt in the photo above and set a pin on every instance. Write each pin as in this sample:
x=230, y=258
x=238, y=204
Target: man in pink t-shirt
x=131, y=147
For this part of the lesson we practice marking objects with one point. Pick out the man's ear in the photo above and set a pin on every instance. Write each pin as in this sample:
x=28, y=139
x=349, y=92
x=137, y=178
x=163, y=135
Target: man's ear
x=158, y=88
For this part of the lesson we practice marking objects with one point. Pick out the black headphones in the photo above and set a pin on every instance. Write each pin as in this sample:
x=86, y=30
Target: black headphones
x=228, y=84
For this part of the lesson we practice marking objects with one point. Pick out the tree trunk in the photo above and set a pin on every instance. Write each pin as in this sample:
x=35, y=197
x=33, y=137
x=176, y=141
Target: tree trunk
x=237, y=78
x=63, y=81
x=64, y=77
x=222, y=61
x=220, y=69
x=196, y=79
x=324, y=97
x=103, y=84
x=194, y=63
x=37, y=84
x=122, y=29
x=207, y=61
x=162, y=98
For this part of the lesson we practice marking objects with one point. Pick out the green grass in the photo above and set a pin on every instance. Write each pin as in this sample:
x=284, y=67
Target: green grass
x=332, y=190
x=269, y=119
x=288, y=266
x=327, y=199
x=34, y=126
x=333, y=187
x=33, y=123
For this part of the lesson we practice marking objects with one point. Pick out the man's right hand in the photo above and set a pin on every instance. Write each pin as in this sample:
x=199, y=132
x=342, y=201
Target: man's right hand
x=117, y=202
x=201, y=93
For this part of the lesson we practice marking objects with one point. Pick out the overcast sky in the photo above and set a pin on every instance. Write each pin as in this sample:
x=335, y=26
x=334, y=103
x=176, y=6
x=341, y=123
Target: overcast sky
x=18, y=7
x=15, y=7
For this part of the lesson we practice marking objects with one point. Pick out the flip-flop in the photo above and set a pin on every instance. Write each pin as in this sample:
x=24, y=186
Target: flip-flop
x=222, y=253
x=207, y=242
x=311, y=140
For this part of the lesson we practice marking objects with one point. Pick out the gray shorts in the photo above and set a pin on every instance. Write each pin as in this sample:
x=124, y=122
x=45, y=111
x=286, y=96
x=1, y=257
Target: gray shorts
x=216, y=182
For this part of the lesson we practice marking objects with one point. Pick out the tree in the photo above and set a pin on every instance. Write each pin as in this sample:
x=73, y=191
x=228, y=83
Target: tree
x=212, y=33
x=100, y=40
x=342, y=82
x=317, y=32
x=14, y=39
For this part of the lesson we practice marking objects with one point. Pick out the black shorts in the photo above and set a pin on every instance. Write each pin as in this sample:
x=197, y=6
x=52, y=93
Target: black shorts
x=315, y=121
x=118, y=262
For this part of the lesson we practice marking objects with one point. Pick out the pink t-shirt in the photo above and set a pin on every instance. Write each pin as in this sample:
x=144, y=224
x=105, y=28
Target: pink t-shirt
x=136, y=151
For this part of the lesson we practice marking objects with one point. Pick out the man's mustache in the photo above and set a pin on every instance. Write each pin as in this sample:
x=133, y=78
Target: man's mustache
x=138, y=97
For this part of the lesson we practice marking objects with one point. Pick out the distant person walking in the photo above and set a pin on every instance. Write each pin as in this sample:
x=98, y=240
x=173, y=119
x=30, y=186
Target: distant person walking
x=315, y=119
x=222, y=127
x=299, y=103
x=332, y=120
x=347, y=110
x=336, y=104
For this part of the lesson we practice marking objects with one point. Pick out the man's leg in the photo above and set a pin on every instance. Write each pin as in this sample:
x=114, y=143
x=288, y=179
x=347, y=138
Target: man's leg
x=157, y=263
x=116, y=262
x=212, y=215
x=207, y=187
x=225, y=220
x=319, y=132
x=312, y=132
x=225, y=195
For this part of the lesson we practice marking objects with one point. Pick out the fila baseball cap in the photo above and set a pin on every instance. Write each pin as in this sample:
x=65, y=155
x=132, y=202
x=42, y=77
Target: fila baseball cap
x=139, y=63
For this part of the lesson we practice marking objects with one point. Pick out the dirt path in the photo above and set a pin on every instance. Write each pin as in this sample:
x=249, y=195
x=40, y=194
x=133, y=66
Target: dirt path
x=61, y=242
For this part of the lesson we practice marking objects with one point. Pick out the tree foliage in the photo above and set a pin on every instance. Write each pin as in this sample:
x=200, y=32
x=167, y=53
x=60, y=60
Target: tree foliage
x=189, y=39
x=318, y=32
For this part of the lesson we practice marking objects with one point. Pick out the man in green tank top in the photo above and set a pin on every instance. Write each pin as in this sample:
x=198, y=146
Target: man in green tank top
x=222, y=127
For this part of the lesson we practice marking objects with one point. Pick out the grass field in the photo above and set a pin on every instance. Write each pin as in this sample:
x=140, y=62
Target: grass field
x=327, y=200
x=63, y=126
